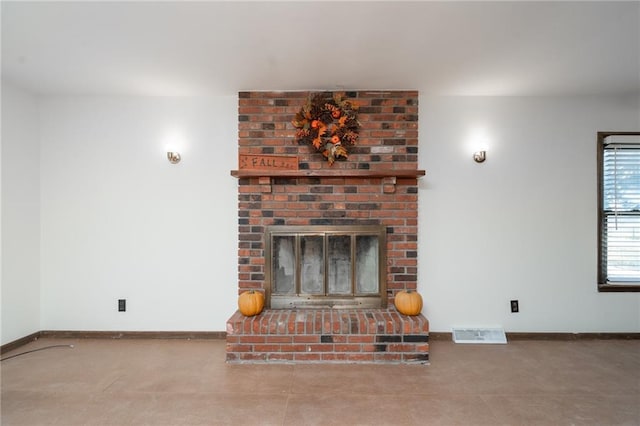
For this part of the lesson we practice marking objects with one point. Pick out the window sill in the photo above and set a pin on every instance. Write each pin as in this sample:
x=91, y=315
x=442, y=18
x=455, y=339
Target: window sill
x=619, y=288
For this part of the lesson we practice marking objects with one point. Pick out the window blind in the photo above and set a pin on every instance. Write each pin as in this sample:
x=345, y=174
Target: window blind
x=621, y=211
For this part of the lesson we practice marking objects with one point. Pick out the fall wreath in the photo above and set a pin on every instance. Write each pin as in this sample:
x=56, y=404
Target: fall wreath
x=329, y=123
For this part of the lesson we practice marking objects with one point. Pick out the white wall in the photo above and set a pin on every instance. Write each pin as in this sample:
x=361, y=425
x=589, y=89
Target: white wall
x=20, y=214
x=120, y=222
x=522, y=225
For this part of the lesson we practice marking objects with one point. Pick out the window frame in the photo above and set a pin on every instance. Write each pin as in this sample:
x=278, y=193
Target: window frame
x=604, y=285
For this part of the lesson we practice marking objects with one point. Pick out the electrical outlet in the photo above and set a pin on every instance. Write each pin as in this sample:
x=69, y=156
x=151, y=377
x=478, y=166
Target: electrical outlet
x=122, y=305
x=514, y=306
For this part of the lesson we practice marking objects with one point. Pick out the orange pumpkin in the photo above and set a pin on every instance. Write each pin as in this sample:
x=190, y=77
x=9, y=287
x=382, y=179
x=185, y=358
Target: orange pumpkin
x=251, y=303
x=408, y=302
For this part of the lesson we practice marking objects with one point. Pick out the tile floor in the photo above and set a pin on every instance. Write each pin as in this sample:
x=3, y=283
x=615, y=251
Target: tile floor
x=186, y=382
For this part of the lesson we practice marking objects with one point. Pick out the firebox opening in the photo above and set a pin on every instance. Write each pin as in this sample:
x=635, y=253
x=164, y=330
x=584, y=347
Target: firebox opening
x=325, y=267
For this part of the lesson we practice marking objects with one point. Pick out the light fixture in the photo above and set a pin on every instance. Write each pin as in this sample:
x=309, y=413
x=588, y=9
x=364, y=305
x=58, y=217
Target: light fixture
x=173, y=157
x=479, y=156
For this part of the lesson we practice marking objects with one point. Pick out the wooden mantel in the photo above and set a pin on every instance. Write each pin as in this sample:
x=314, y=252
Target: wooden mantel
x=329, y=173
x=389, y=177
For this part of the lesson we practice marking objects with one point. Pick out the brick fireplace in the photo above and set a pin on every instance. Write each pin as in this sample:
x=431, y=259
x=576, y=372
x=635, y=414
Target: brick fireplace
x=376, y=186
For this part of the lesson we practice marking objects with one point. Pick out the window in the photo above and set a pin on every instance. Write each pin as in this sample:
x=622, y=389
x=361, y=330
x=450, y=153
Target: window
x=619, y=211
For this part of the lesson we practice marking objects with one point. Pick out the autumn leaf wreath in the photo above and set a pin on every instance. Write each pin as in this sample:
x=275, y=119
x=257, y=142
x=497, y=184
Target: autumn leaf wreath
x=329, y=123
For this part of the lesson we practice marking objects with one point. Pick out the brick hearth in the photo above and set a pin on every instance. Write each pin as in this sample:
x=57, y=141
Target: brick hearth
x=376, y=185
x=328, y=335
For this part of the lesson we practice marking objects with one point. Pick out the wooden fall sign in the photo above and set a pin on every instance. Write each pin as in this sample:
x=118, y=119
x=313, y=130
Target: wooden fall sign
x=267, y=162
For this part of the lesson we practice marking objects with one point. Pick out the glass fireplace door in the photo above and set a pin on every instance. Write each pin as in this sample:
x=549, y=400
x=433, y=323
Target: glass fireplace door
x=325, y=266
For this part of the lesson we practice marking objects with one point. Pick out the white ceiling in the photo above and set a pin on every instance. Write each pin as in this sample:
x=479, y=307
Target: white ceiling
x=209, y=48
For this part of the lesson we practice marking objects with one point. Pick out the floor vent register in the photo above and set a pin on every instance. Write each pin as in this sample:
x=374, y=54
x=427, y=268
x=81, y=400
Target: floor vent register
x=479, y=335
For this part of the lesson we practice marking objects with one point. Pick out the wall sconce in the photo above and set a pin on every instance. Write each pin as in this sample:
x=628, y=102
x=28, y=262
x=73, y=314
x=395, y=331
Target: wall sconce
x=479, y=156
x=173, y=157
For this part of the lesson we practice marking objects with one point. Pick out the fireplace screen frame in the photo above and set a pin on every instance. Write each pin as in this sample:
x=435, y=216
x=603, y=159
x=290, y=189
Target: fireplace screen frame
x=299, y=299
